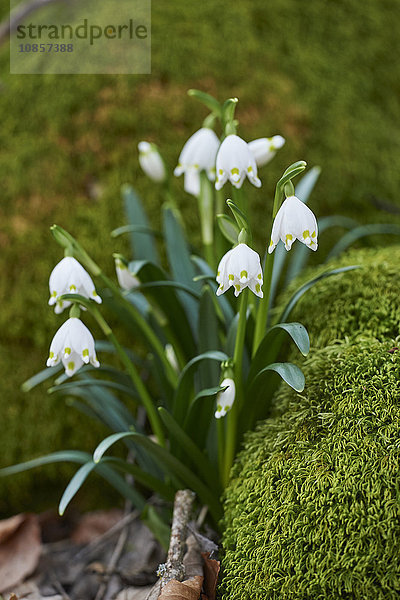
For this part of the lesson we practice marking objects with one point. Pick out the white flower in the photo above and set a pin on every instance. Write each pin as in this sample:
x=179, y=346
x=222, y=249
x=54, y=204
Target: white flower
x=234, y=161
x=69, y=277
x=226, y=398
x=171, y=357
x=198, y=154
x=241, y=268
x=126, y=280
x=294, y=220
x=264, y=149
x=151, y=161
x=73, y=344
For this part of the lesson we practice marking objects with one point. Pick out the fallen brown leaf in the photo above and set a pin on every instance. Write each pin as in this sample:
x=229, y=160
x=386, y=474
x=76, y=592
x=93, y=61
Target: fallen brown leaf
x=211, y=571
x=185, y=590
x=94, y=524
x=20, y=548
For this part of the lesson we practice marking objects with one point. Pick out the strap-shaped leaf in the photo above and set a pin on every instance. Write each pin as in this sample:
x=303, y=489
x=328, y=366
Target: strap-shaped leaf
x=303, y=289
x=208, y=338
x=180, y=264
x=271, y=344
x=173, y=466
x=307, y=183
x=74, y=485
x=360, y=232
x=40, y=377
x=220, y=301
x=190, y=449
x=152, y=483
x=143, y=243
x=74, y=456
x=185, y=383
x=169, y=300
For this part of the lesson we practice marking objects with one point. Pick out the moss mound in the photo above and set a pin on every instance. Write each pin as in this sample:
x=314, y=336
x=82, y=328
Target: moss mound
x=364, y=301
x=313, y=507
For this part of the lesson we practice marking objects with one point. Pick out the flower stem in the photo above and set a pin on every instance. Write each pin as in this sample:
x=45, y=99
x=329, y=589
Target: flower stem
x=146, y=399
x=233, y=414
x=262, y=314
x=206, y=212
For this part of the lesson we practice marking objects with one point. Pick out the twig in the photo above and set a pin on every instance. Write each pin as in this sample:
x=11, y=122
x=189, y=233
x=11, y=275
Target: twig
x=93, y=546
x=113, y=562
x=10, y=24
x=173, y=568
x=58, y=585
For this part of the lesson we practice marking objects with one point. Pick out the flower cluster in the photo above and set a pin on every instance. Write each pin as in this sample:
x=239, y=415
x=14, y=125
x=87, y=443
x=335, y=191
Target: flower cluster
x=73, y=344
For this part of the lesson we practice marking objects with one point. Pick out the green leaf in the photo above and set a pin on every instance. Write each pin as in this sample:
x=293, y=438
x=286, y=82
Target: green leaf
x=172, y=284
x=191, y=451
x=302, y=290
x=290, y=373
x=143, y=243
x=180, y=264
x=40, y=377
x=360, y=232
x=107, y=443
x=169, y=301
x=208, y=100
x=200, y=415
x=152, y=483
x=74, y=485
x=221, y=301
x=208, y=337
x=61, y=456
x=66, y=387
x=307, y=183
x=173, y=466
x=270, y=346
x=229, y=228
x=134, y=229
x=185, y=383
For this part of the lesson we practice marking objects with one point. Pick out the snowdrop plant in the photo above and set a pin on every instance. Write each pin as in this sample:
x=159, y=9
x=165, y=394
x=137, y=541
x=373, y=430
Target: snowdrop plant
x=210, y=356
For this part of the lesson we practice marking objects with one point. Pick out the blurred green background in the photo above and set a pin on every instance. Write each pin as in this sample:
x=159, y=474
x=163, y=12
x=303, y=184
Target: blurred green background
x=323, y=74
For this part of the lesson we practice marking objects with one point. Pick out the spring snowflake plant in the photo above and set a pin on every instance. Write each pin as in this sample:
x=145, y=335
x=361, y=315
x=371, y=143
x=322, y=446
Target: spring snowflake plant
x=214, y=356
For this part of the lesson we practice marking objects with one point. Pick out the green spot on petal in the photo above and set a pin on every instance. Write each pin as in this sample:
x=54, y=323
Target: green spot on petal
x=72, y=288
x=258, y=287
x=231, y=277
x=85, y=352
x=71, y=366
x=67, y=351
x=306, y=233
x=235, y=171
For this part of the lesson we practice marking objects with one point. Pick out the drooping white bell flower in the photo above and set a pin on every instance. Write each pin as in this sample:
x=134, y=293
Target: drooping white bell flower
x=69, y=277
x=234, y=161
x=226, y=398
x=171, y=357
x=151, y=161
x=294, y=220
x=240, y=268
x=264, y=149
x=126, y=280
x=73, y=344
x=198, y=154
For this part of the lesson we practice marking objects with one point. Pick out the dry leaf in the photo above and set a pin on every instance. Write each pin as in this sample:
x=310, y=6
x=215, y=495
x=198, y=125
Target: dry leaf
x=20, y=548
x=211, y=571
x=185, y=590
x=134, y=593
x=94, y=524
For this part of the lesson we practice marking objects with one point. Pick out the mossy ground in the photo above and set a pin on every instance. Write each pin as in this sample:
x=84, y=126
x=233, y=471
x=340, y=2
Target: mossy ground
x=312, y=510
x=321, y=75
x=363, y=301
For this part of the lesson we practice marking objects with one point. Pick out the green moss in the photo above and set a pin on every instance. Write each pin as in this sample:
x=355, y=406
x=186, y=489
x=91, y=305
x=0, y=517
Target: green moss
x=364, y=301
x=313, y=507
